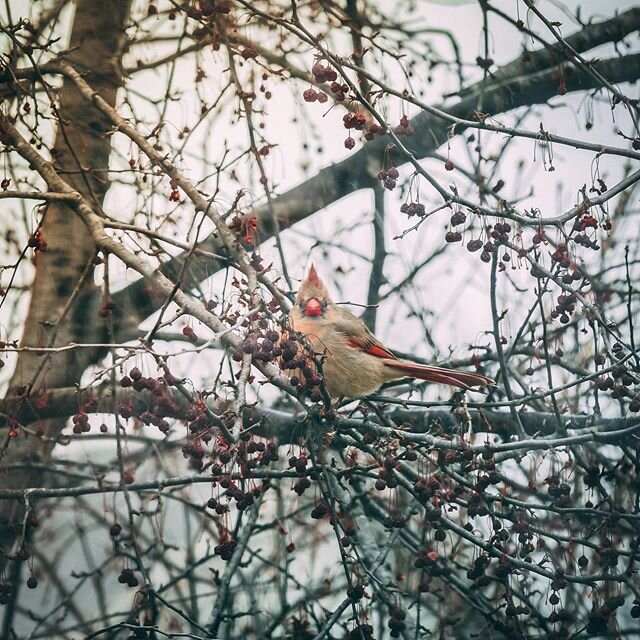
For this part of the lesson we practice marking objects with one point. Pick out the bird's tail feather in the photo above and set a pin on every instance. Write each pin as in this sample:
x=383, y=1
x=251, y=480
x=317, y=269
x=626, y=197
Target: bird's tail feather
x=463, y=379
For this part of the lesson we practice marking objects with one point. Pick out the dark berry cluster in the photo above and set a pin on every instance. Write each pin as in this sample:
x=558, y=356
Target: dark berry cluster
x=512, y=610
x=357, y=120
x=386, y=475
x=243, y=499
x=248, y=53
x=413, y=209
x=194, y=452
x=394, y=521
x=320, y=510
x=339, y=91
x=396, y=622
x=592, y=476
x=162, y=403
x=361, y=632
x=356, y=592
x=476, y=505
x=566, y=305
x=373, y=129
x=451, y=456
x=81, y=423
x=607, y=555
x=430, y=561
x=200, y=421
x=619, y=383
x=299, y=463
x=559, y=492
x=200, y=10
x=457, y=218
x=128, y=577
x=584, y=240
x=572, y=276
x=500, y=232
x=525, y=539
x=561, y=256
x=599, y=617
x=298, y=359
x=225, y=549
x=389, y=177
x=453, y=236
x=311, y=95
x=539, y=237
x=425, y=488
x=477, y=571
x=266, y=453
x=233, y=493
x=474, y=245
x=322, y=73
x=263, y=347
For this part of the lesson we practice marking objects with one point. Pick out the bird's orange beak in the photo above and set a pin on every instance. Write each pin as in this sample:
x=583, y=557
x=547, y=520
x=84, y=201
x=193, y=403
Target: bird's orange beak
x=313, y=308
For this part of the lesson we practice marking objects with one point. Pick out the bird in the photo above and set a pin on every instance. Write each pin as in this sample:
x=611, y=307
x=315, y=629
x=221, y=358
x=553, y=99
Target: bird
x=354, y=362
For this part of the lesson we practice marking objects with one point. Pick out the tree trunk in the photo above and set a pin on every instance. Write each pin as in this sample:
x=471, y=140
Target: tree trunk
x=62, y=310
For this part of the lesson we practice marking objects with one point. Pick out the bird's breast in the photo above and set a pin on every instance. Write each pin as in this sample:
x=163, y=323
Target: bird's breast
x=347, y=371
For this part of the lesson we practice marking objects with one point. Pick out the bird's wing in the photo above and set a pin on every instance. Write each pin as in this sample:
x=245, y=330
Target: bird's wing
x=359, y=337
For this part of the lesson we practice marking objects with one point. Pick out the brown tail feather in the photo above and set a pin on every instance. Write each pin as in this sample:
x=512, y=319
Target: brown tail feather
x=464, y=379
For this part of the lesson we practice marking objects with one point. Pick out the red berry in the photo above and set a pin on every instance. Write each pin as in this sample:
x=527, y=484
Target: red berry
x=310, y=95
x=249, y=52
x=433, y=557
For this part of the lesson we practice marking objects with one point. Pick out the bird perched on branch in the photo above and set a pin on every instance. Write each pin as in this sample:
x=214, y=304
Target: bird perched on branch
x=354, y=362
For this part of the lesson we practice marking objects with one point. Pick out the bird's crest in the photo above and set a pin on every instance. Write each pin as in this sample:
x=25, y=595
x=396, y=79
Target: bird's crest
x=313, y=287
x=312, y=276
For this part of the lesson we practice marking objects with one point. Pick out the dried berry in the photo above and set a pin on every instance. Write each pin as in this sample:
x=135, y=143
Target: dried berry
x=310, y=95
x=453, y=236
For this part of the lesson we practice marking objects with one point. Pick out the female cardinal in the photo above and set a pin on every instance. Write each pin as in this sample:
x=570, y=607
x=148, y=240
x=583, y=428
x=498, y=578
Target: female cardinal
x=354, y=362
